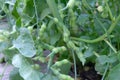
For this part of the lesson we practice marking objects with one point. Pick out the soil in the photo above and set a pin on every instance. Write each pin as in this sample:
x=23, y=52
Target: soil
x=89, y=73
x=86, y=73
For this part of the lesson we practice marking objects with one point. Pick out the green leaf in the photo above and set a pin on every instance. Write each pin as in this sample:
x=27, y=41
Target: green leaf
x=63, y=65
x=81, y=57
x=25, y=69
x=24, y=43
x=49, y=77
x=44, y=13
x=14, y=75
x=3, y=45
x=88, y=52
x=91, y=2
x=100, y=68
x=9, y=54
x=29, y=8
x=103, y=59
x=28, y=73
x=19, y=61
x=114, y=73
x=54, y=37
x=82, y=19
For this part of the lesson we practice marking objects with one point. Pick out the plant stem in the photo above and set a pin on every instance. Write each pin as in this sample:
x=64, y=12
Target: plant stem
x=105, y=71
x=53, y=7
x=36, y=14
x=74, y=59
x=101, y=37
x=50, y=61
x=110, y=45
x=96, y=54
x=110, y=13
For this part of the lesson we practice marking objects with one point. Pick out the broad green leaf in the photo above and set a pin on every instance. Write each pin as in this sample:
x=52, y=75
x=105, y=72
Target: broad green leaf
x=54, y=37
x=14, y=11
x=14, y=75
x=49, y=77
x=82, y=19
x=24, y=43
x=44, y=13
x=114, y=73
x=29, y=7
x=9, y=54
x=25, y=69
x=28, y=73
x=91, y=2
x=88, y=52
x=100, y=68
x=103, y=59
x=3, y=45
x=19, y=61
x=1, y=3
x=81, y=57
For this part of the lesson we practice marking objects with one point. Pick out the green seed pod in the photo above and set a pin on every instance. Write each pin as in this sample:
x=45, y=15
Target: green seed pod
x=70, y=44
x=35, y=66
x=56, y=20
x=70, y=3
x=2, y=38
x=30, y=28
x=65, y=77
x=100, y=9
x=42, y=30
x=59, y=49
x=58, y=64
x=66, y=37
x=65, y=61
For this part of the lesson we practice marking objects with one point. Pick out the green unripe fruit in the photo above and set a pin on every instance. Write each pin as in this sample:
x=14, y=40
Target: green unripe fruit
x=56, y=20
x=30, y=28
x=70, y=44
x=36, y=66
x=100, y=9
x=2, y=38
x=66, y=37
x=70, y=3
x=42, y=30
x=58, y=49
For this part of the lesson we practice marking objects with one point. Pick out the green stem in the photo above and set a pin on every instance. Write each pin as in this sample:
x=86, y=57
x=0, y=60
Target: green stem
x=110, y=45
x=101, y=37
x=50, y=61
x=106, y=69
x=110, y=13
x=53, y=7
x=73, y=54
x=86, y=5
x=101, y=24
x=36, y=14
x=96, y=54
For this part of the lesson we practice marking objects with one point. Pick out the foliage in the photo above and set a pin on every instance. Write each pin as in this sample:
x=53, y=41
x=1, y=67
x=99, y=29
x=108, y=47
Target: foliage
x=68, y=29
